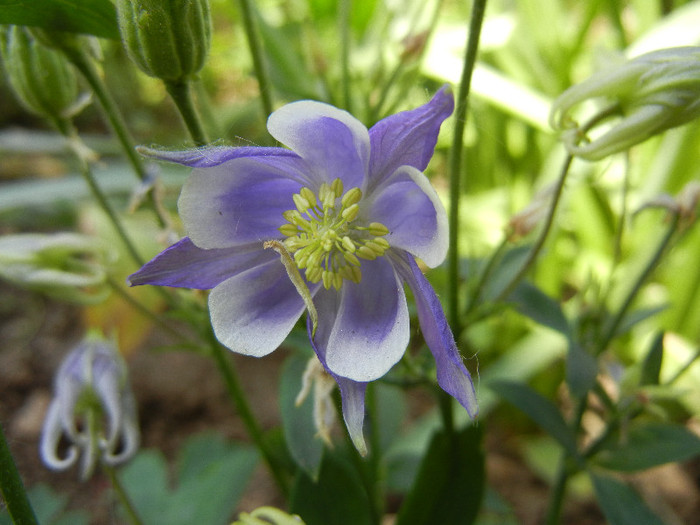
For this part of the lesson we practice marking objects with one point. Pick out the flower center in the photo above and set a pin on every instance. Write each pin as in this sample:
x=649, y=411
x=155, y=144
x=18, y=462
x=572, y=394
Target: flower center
x=322, y=235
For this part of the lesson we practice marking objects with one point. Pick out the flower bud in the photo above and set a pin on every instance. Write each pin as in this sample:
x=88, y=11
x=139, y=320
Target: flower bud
x=68, y=266
x=652, y=93
x=268, y=516
x=93, y=409
x=41, y=78
x=167, y=39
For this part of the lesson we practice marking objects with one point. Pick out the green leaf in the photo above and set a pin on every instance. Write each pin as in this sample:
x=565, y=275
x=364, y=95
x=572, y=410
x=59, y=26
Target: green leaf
x=94, y=17
x=581, y=369
x=212, y=477
x=337, y=498
x=651, y=366
x=298, y=422
x=450, y=484
x=621, y=504
x=538, y=306
x=648, y=445
x=391, y=410
x=49, y=508
x=539, y=409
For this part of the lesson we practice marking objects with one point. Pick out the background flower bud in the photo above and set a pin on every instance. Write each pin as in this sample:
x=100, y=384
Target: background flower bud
x=652, y=92
x=41, y=78
x=168, y=39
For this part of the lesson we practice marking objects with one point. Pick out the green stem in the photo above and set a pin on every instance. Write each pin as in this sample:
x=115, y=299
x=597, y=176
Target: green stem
x=646, y=272
x=344, y=10
x=123, y=497
x=534, y=252
x=87, y=68
x=240, y=401
x=12, y=488
x=455, y=166
x=71, y=135
x=257, y=54
x=181, y=93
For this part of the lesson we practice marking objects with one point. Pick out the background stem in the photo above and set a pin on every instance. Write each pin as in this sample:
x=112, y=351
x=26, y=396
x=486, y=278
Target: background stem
x=12, y=488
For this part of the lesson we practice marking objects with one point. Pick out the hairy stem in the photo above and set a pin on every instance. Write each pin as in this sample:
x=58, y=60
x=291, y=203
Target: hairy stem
x=181, y=93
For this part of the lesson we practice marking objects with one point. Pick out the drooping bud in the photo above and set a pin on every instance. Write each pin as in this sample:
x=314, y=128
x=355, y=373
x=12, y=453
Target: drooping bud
x=268, y=516
x=652, y=93
x=93, y=409
x=41, y=78
x=167, y=39
x=68, y=266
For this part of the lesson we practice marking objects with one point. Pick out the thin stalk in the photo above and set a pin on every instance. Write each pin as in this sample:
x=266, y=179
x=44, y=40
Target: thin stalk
x=537, y=247
x=455, y=166
x=87, y=68
x=181, y=93
x=240, y=401
x=12, y=488
x=256, y=52
x=646, y=272
x=123, y=497
x=344, y=10
x=68, y=131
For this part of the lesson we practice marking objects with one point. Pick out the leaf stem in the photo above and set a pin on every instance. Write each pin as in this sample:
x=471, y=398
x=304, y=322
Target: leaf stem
x=123, y=497
x=12, y=488
x=344, y=10
x=181, y=93
x=256, y=52
x=240, y=401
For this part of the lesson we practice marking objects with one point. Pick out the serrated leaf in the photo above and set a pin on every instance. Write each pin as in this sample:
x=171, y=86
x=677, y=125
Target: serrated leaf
x=450, y=484
x=621, y=504
x=298, y=422
x=96, y=17
x=337, y=498
x=539, y=409
x=648, y=445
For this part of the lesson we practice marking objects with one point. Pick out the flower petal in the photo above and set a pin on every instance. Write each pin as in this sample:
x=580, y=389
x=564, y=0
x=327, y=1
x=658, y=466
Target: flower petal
x=241, y=201
x=452, y=375
x=352, y=392
x=185, y=265
x=50, y=437
x=254, y=311
x=209, y=156
x=333, y=142
x=408, y=137
x=408, y=205
x=364, y=328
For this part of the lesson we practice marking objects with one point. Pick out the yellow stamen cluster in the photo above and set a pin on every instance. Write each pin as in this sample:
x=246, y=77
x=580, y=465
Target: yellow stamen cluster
x=322, y=236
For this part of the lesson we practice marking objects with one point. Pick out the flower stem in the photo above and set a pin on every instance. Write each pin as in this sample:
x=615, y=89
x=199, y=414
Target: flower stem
x=257, y=55
x=455, y=166
x=68, y=131
x=534, y=252
x=648, y=269
x=181, y=93
x=344, y=10
x=123, y=497
x=245, y=413
x=12, y=488
x=86, y=67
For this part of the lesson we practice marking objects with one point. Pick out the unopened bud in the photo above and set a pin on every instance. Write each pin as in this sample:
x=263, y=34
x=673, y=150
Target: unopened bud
x=652, y=93
x=167, y=39
x=41, y=78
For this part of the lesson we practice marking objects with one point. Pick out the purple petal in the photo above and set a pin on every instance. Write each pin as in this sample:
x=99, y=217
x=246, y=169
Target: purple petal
x=363, y=330
x=240, y=202
x=351, y=392
x=409, y=137
x=209, y=156
x=452, y=375
x=254, y=311
x=408, y=205
x=184, y=265
x=333, y=142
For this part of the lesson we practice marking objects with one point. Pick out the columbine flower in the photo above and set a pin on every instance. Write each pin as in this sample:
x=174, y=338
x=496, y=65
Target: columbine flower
x=93, y=409
x=351, y=209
